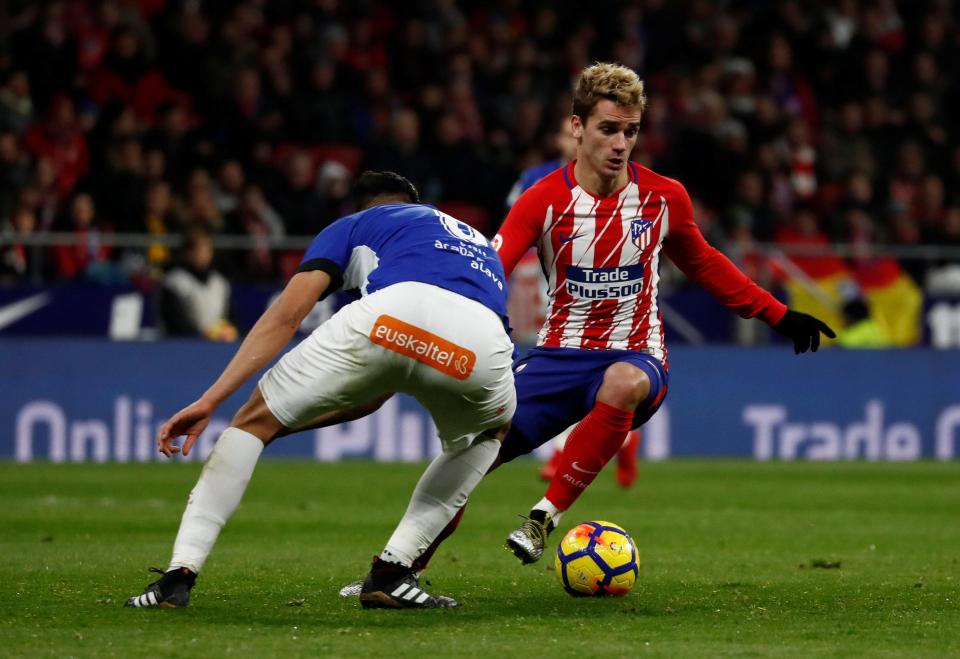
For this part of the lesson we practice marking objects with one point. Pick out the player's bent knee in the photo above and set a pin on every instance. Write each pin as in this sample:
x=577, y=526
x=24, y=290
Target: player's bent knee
x=624, y=386
x=256, y=418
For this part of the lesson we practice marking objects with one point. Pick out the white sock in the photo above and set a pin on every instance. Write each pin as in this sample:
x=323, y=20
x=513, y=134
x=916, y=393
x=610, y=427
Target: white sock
x=441, y=492
x=215, y=496
x=545, y=505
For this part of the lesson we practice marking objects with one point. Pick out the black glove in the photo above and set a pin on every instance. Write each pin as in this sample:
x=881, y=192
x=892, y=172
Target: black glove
x=804, y=330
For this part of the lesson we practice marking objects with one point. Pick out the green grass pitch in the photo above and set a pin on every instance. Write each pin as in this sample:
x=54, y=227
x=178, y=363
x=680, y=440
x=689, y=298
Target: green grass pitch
x=738, y=559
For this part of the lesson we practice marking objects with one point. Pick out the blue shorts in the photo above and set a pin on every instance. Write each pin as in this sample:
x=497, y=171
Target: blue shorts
x=556, y=387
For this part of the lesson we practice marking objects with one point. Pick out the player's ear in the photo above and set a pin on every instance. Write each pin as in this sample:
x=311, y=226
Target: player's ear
x=577, y=126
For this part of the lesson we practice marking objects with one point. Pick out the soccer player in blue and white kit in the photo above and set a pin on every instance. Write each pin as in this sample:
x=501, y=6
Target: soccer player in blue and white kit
x=431, y=323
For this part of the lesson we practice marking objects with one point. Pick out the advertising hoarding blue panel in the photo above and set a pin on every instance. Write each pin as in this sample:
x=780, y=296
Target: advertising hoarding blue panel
x=93, y=400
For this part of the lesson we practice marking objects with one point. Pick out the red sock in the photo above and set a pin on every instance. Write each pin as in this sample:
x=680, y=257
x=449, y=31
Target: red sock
x=595, y=440
x=627, y=459
x=423, y=559
x=549, y=467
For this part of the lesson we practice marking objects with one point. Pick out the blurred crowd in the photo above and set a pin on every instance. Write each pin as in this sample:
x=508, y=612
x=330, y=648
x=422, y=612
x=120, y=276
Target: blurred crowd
x=790, y=122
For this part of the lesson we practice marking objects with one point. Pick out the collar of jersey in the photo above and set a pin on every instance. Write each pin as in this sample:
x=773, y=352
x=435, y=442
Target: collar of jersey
x=572, y=182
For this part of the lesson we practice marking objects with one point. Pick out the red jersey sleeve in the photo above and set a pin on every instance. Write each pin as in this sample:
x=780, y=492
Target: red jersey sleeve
x=708, y=267
x=520, y=230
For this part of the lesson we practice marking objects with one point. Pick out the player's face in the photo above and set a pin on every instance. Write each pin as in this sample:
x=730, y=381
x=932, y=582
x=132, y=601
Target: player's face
x=608, y=137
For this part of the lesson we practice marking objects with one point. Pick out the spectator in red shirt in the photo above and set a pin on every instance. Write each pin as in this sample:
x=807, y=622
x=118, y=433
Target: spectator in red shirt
x=59, y=139
x=128, y=76
x=87, y=255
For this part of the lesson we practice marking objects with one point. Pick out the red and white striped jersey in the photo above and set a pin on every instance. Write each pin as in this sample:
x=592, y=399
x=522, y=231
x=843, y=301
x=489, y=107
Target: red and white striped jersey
x=601, y=258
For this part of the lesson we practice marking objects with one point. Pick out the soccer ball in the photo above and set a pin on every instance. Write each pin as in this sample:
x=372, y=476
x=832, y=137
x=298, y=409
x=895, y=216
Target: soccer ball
x=597, y=558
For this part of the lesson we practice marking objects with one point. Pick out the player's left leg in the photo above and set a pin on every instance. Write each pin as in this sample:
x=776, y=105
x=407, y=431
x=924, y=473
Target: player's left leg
x=438, y=498
x=442, y=491
x=420, y=564
x=472, y=409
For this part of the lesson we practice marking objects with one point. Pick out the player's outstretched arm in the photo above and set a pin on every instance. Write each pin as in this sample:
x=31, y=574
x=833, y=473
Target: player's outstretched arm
x=704, y=264
x=804, y=330
x=274, y=330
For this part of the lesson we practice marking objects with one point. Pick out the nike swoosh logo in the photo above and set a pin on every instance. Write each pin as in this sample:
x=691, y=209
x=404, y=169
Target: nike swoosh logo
x=586, y=471
x=11, y=313
x=566, y=239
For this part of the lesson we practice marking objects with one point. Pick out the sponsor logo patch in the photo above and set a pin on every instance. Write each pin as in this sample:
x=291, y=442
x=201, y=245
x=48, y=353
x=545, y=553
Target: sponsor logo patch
x=605, y=283
x=426, y=347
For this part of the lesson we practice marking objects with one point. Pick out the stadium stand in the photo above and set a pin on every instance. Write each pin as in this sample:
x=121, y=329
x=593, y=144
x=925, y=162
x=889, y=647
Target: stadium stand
x=829, y=127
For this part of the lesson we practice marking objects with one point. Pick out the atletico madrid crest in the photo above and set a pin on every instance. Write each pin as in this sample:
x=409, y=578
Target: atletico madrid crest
x=639, y=232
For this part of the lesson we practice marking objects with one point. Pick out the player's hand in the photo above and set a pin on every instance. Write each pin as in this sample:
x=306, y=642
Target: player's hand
x=804, y=330
x=189, y=421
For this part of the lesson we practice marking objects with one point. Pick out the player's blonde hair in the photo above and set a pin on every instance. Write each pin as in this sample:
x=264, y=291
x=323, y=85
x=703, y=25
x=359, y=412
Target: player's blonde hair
x=614, y=82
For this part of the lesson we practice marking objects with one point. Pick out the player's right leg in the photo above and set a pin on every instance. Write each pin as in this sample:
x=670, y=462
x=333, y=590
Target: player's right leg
x=629, y=391
x=591, y=443
x=320, y=380
x=626, y=458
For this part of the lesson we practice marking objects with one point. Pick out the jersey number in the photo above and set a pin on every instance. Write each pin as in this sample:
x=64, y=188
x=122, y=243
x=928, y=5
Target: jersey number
x=462, y=230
